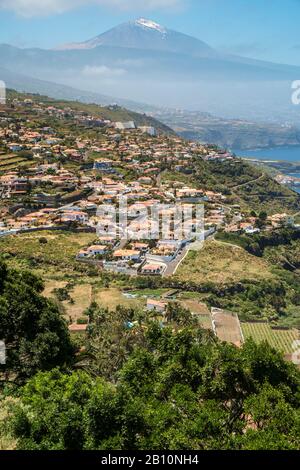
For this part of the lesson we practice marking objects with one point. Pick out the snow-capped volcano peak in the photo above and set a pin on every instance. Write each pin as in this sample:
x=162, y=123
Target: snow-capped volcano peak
x=148, y=35
x=144, y=23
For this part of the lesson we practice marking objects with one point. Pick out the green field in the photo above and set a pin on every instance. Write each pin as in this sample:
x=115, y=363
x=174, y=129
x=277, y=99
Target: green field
x=222, y=263
x=279, y=339
x=112, y=297
x=54, y=257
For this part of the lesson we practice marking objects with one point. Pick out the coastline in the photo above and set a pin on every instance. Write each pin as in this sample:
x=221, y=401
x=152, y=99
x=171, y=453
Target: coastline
x=284, y=160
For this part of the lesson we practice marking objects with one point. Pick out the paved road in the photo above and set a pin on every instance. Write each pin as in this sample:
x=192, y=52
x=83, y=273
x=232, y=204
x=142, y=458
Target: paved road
x=172, y=266
x=123, y=242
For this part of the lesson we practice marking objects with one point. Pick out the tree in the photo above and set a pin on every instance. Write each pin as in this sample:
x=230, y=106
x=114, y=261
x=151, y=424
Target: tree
x=56, y=403
x=176, y=313
x=161, y=388
x=35, y=334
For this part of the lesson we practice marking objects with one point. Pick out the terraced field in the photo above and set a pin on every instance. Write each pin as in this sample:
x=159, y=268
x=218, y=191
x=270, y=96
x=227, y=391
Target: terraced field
x=205, y=321
x=11, y=161
x=279, y=339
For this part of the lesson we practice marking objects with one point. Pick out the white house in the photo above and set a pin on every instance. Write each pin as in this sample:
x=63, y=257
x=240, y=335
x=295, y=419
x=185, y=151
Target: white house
x=127, y=255
x=95, y=250
x=153, y=269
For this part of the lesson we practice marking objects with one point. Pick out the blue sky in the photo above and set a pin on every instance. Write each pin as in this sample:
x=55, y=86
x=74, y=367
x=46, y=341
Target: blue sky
x=265, y=29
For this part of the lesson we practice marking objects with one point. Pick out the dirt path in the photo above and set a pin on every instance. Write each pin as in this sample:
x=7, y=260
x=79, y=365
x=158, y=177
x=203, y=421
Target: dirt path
x=248, y=182
x=220, y=242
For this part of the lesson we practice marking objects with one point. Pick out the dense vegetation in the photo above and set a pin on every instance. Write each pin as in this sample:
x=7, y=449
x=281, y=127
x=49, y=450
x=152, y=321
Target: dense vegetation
x=256, y=244
x=35, y=334
x=243, y=184
x=252, y=188
x=138, y=385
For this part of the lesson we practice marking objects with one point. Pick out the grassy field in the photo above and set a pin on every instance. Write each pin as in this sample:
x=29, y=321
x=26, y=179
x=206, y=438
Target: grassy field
x=50, y=285
x=54, y=257
x=81, y=294
x=82, y=297
x=171, y=176
x=222, y=263
x=112, y=297
x=205, y=322
x=195, y=307
x=279, y=339
x=150, y=292
x=200, y=310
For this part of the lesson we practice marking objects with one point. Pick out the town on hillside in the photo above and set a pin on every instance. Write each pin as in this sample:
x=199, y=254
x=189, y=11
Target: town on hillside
x=60, y=164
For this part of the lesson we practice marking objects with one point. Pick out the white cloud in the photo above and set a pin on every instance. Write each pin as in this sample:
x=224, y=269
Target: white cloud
x=39, y=7
x=102, y=71
x=31, y=8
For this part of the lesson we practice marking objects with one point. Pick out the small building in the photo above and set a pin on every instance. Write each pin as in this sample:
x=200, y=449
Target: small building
x=74, y=216
x=15, y=147
x=251, y=230
x=142, y=247
x=127, y=255
x=83, y=254
x=156, y=305
x=153, y=269
x=95, y=250
x=282, y=220
x=148, y=130
x=75, y=328
x=107, y=240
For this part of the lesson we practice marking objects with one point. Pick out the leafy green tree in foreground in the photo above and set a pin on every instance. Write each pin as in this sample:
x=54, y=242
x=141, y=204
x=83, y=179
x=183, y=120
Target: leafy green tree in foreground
x=140, y=384
x=35, y=334
x=176, y=390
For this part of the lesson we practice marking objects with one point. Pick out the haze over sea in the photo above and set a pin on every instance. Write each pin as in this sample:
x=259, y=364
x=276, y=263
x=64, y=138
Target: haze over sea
x=284, y=154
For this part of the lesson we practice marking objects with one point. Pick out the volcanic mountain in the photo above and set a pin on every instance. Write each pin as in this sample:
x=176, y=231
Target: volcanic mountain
x=144, y=61
x=148, y=35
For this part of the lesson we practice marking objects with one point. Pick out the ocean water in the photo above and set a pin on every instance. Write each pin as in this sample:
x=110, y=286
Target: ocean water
x=286, y=154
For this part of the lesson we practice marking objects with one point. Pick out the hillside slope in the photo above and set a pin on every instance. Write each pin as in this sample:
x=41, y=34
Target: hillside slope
x=113, y=112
